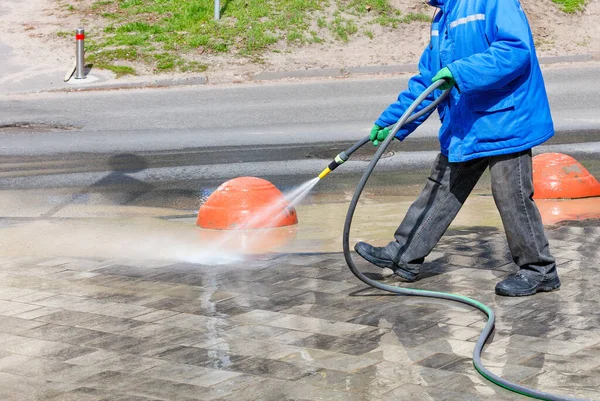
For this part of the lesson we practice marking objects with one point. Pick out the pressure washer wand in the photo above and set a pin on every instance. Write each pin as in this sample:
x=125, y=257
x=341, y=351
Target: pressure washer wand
x=343, y=157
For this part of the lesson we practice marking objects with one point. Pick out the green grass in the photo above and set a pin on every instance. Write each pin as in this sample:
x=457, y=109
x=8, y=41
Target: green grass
x=120, y=70
x=397, y=19
x=366, y=6
x=342, y=28
x=193, y=66
x=315, y=37
x=163, y=34
x=176, y=27
x=570, y=6
x=246, y=26
x=111, y=55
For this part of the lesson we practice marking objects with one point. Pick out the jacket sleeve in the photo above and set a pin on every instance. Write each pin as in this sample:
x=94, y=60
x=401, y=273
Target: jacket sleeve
x=416, y=86
x=509, y=53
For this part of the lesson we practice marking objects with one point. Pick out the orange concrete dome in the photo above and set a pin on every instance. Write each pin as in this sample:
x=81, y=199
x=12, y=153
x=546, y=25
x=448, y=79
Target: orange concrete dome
x=246, y=203
x=559, y=176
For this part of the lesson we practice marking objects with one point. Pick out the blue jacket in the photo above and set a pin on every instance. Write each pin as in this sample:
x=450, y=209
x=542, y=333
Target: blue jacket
x=499, y=104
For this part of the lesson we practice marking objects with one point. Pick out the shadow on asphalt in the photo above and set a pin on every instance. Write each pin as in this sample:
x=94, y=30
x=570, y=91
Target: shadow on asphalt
x=120, y=188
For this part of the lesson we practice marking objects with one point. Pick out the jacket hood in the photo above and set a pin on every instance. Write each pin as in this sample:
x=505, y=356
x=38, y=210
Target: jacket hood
x=436, y=3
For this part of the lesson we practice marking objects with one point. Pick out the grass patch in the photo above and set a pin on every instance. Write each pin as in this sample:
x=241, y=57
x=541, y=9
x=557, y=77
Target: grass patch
x=128, y=39
x=110, y=55
x=120, y=70
x=397, y=18
x=245, y=27
x=193, y=66
x=166, y=61
x=342, y=28
x=314, y=37
x=416, y=17
x=164, y=33
x=175, y=27
x=366, y=6
x=139, y=27
x=570, y=6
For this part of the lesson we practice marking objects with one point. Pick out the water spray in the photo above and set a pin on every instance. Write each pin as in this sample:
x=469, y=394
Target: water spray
x=341, y=158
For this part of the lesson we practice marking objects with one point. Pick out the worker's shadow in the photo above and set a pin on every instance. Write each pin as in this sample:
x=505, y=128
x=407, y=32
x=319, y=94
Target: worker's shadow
x=117, y=188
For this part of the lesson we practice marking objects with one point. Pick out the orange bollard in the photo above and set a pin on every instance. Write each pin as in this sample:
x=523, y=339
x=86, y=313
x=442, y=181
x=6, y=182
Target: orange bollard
x=246, y=203
x=559, y=176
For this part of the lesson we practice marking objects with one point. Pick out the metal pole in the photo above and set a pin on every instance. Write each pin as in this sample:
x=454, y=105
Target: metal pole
x=217, y=10
x=80, y=57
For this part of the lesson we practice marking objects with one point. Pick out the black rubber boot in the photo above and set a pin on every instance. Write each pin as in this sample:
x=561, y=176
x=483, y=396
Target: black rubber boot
x=525, y=283
x=379, y=257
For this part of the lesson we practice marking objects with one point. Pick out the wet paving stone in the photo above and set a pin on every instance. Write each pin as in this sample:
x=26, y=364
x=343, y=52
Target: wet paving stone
x=296, y=327
x=337, y=344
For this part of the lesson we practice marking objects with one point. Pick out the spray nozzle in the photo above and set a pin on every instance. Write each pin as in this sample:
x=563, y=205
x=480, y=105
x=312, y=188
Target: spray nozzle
x=339, y=159
x=324, y=173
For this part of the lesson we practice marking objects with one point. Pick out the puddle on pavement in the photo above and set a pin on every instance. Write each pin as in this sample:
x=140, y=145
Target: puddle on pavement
x=151, y=233
x=375, y=220
x=131, y=236
x=556, y=210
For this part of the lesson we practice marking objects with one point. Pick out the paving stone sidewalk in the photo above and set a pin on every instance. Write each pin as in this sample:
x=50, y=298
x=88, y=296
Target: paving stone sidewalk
x=296, y=327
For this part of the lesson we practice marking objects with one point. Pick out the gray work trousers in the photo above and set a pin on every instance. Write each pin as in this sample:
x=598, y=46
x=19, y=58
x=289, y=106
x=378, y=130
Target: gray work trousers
x=446, y=190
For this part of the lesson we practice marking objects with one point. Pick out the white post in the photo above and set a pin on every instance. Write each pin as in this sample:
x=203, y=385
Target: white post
x=217, y=10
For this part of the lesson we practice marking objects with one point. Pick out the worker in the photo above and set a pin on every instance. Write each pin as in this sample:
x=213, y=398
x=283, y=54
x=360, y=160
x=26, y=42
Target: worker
x=497, y=110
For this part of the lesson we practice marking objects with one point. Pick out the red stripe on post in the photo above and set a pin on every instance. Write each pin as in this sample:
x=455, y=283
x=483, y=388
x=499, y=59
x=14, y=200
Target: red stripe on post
x=79, y=36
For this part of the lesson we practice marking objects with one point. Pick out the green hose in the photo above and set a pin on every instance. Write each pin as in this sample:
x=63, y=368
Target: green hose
x=489, y=327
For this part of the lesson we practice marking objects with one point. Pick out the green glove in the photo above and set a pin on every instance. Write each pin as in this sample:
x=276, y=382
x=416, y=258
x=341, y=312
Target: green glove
x=378, y=134
x=446, y=74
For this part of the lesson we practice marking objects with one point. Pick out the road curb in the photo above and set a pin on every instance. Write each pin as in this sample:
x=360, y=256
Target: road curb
x=310, y=73
x=307, y=73
x=580, y=58
x=153, y=83
x=382, y=69
x=336, y=72
x=393, y=69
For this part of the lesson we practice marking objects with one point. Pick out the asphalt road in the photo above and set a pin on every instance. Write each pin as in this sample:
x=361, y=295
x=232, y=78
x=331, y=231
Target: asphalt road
x=254, y=114
x=186, y=138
